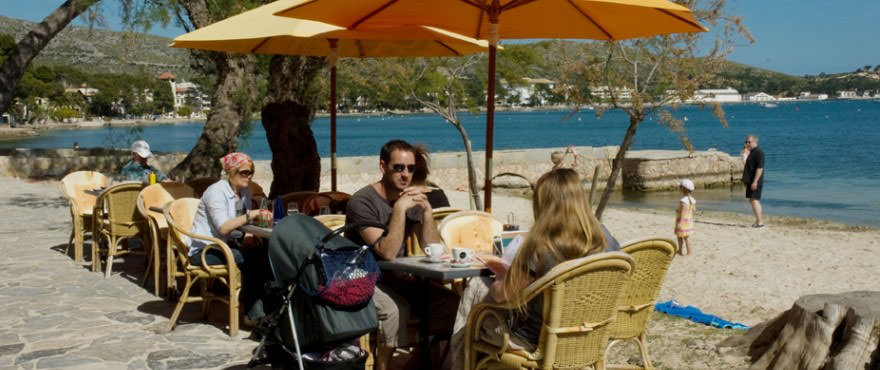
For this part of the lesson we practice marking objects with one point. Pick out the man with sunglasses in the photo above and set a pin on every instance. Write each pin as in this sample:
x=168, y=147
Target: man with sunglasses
x=394, y=202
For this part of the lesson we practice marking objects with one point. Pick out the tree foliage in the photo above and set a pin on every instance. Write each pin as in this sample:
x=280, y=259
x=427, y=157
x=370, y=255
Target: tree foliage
x=649, y=75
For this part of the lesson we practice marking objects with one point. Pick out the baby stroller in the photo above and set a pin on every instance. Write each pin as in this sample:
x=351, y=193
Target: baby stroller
x=319, y=302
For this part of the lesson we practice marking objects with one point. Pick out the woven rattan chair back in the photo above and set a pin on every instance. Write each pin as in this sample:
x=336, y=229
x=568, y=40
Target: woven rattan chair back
x=302, y=199
x=199, y=185
x=652, y=258
x=180, y=215
x=338, y=201
x=257, y=192
x=580, y=300
x=332, y=222
x=412, y=242
x=117, y=219
x=470, y=229
x=157, y=196
x=82, y=204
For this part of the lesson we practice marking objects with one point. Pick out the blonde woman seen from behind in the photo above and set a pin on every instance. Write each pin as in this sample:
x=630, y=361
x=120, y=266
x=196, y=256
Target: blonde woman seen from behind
x=564, y=229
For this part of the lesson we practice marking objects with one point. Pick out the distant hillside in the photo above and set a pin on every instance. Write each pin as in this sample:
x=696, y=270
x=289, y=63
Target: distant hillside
x=105, y=51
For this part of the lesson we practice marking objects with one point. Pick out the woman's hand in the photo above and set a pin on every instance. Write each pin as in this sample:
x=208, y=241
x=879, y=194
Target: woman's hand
x=494, y=263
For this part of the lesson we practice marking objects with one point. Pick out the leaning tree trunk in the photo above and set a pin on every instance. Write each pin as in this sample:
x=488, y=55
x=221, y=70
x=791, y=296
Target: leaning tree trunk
x=287, y=119
x=472, y=174
x=823, y=331
x=232, y=102
x=33, y=43
x=635, y=118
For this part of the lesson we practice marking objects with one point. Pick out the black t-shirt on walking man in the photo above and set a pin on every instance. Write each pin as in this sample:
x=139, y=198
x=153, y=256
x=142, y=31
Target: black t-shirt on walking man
x=754, y=161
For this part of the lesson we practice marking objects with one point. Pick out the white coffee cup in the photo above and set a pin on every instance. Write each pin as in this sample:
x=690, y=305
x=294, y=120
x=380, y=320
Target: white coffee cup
x=434, y=251
x=462, y=255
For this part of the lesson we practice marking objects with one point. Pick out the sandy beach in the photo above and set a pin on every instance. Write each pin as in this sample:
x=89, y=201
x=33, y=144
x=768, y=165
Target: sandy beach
x=55, y=313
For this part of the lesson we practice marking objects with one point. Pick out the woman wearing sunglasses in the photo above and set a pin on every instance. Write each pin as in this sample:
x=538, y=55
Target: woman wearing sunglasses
x=224, y=207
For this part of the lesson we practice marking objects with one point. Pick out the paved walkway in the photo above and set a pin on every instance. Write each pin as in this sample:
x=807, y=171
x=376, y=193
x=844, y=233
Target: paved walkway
x=55, y=313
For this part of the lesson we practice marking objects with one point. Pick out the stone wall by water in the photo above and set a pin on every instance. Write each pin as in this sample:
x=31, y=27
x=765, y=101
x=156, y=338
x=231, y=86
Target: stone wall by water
x=55, y=163
x=643, y=170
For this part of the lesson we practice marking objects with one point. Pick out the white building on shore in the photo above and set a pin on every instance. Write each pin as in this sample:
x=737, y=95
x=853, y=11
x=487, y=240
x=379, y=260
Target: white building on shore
x=728, y=95
x=806, y=95
x=758, y=97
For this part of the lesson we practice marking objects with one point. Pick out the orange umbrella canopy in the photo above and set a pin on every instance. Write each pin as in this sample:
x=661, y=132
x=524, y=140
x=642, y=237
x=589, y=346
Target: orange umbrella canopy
x=507, y=19
x=258, y=31
x=518, y=19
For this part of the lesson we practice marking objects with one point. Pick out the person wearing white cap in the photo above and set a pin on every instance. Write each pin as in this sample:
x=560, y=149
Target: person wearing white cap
x=137, y=168
x=684, y=217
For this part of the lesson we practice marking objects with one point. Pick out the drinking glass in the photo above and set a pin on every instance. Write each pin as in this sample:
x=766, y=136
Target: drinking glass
x=265, y=206
x=325, y=210
x=292, y=208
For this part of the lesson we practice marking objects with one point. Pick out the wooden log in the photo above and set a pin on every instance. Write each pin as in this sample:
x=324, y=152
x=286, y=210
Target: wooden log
x=823, y=331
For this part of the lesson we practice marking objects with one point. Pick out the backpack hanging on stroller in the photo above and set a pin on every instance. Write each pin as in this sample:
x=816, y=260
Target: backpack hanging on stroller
x=322, y=287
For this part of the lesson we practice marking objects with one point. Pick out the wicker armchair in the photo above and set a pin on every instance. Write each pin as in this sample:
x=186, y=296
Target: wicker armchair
x=257, y=193
x=82, y=205
x=338, y=200
x=179, y=215
x=332, y=222
x=470, y=229
x=157, y=196
x=199, y=185
x=636, y=304
x=412, y=242
x=303, y=200
x=580, y=297
x=117, y=219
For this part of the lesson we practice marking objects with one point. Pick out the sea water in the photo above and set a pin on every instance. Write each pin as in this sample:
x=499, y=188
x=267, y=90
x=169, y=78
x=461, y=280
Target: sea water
x=821, y=156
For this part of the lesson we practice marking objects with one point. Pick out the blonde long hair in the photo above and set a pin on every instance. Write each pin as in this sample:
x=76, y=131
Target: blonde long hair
x=565, y=228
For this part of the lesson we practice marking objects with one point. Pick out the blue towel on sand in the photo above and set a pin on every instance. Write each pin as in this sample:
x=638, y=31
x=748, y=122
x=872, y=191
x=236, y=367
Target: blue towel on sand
x=694, y=314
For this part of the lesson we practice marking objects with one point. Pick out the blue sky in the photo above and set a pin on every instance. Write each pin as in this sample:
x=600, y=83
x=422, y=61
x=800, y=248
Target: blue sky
x=792, y=36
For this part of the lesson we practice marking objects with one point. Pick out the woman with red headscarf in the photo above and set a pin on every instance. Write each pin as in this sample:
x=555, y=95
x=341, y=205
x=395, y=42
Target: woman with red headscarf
x=224, y=207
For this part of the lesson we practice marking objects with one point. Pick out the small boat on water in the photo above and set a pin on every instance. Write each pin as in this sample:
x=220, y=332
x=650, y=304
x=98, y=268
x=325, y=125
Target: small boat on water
x=769, y=105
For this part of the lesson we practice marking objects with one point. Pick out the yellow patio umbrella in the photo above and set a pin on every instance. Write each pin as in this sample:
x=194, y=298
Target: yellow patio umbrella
x=259, y=31
x=518, y=19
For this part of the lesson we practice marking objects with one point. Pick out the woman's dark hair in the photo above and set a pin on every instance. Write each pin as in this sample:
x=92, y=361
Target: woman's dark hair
x=420, y=175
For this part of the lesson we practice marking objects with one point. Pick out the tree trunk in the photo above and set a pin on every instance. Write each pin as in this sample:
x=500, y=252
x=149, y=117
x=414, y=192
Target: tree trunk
x=232, y=102
x=635, y=118
x=33, y=43
x=823, y=331
x=287, y=120
x=472, y=174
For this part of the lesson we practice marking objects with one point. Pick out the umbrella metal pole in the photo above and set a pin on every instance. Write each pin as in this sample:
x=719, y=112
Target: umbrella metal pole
x=490, y=118
x=333, y=58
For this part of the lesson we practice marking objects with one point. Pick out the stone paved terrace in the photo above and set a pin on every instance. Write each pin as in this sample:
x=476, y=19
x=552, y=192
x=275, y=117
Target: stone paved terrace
x=55, y=313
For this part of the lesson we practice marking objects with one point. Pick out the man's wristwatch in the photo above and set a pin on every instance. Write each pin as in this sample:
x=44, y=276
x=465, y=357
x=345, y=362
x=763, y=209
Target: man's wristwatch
x=247, y=218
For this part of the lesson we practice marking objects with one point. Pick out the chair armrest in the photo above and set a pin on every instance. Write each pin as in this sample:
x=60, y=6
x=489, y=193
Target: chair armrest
x=227, y=254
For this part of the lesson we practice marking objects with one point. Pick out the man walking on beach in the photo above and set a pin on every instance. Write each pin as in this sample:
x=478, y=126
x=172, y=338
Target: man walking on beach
x=753, y=177
x=392, y=201
x=137, y=168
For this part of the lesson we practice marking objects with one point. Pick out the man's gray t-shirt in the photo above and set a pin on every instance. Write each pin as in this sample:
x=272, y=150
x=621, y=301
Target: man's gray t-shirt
x=367, y=205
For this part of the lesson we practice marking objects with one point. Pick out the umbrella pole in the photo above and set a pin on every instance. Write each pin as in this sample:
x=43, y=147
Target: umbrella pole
x=334, y=56
x=490, y=118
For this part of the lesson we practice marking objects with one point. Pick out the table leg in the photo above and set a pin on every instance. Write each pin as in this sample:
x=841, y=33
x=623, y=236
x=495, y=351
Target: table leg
x=424, y=336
